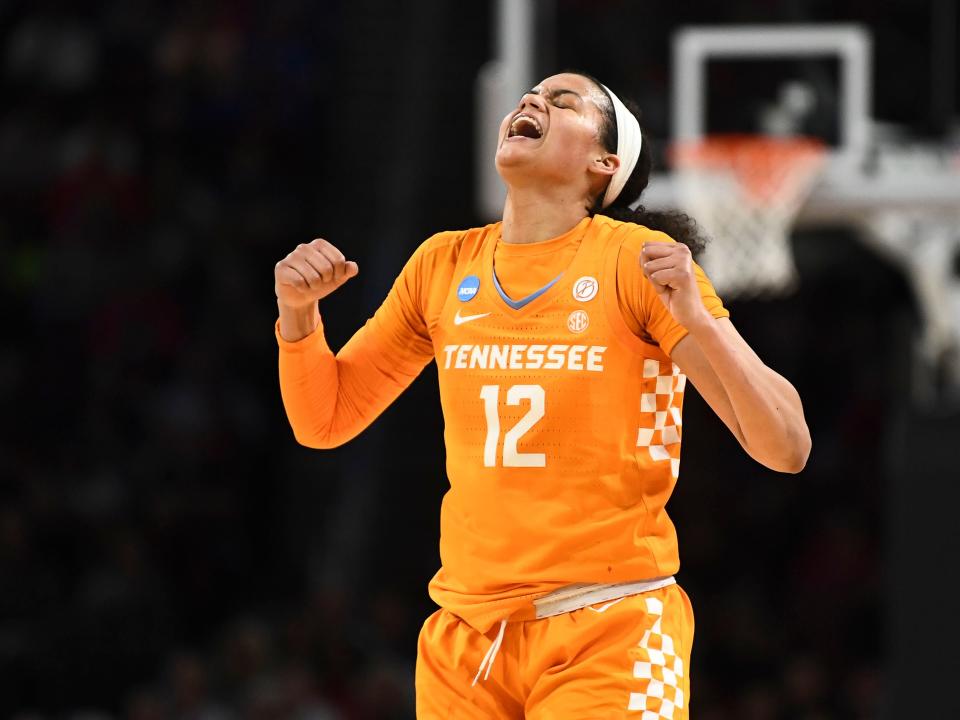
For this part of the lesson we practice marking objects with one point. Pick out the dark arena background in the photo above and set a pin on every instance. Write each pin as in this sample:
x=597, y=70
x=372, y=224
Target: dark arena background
x=167, y=550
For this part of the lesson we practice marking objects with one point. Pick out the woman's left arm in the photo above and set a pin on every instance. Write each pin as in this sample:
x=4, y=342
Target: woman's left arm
x=761, y=408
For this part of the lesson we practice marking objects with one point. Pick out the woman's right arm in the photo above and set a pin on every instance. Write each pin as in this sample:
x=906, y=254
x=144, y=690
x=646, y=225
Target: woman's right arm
x=330, y=398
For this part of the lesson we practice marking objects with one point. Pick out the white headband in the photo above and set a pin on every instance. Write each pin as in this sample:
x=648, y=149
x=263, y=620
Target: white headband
x=629, y=142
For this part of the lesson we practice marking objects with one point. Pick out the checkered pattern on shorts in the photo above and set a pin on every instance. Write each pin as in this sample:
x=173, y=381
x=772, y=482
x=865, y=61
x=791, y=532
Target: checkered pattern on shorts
x=660, y=419
x=661, y=670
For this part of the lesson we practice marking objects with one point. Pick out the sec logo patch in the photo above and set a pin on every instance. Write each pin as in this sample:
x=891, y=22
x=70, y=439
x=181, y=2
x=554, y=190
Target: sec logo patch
x=585, y=288
x=578, y=321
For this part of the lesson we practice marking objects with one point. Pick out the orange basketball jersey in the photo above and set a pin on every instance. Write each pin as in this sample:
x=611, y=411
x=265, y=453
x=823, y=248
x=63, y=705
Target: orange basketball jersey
x=562, y=425
x=562, y=432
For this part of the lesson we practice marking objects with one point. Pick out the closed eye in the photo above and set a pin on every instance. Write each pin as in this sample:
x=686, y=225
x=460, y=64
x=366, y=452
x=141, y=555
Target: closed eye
x=564, y=102
x=554, y=95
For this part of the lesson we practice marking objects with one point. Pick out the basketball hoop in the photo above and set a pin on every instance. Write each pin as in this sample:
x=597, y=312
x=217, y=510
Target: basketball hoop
x=745, y=191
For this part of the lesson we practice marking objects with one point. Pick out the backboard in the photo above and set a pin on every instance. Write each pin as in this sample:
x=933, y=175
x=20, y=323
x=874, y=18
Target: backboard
x=902, y=196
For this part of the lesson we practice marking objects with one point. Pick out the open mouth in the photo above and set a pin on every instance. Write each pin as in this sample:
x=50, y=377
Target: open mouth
x=524, y=125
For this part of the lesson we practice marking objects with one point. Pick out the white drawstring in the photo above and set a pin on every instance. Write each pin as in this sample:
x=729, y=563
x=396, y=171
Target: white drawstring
x=491, y=654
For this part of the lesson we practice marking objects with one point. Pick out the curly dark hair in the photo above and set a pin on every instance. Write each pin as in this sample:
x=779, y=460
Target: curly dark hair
x=678, y=225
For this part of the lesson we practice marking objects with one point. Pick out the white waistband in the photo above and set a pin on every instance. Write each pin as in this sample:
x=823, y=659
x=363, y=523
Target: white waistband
x=574, y=597
x=569, y=598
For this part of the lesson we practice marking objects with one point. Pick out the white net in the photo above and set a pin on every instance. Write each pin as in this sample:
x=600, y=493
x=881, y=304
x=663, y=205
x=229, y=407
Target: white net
x=746, y=191
x=927, y=245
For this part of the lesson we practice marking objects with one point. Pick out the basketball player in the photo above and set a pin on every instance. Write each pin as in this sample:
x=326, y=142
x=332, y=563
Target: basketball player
x=563, y=337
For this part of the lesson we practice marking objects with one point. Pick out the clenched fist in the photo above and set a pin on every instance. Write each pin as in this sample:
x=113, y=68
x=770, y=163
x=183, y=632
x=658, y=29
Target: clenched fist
x=669, y=267
x=311, y=272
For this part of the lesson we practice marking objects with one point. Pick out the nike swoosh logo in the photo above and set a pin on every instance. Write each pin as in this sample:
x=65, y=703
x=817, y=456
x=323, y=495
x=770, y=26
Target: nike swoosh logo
x=459, y=319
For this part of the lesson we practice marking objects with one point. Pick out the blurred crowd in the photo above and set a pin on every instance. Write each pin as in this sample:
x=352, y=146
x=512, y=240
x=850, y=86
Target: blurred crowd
x=154, y=160
x=158, y=525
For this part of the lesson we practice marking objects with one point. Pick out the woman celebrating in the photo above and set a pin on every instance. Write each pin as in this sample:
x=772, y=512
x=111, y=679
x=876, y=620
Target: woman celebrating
x=563, y=337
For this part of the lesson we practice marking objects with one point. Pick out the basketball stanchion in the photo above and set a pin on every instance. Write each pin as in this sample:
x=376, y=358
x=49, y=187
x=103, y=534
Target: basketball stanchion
x=746, y=190
x=927, y=246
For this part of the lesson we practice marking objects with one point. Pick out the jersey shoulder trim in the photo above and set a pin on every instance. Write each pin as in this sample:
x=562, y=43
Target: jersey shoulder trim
x=633, y=236
x=455, y=240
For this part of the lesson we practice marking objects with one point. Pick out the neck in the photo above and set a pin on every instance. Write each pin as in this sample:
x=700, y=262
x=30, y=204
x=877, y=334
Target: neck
x=532, y=215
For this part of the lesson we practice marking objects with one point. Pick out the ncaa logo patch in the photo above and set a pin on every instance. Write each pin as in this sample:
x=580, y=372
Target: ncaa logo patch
x=578, y=321
x=585, y=288
x=468, y=288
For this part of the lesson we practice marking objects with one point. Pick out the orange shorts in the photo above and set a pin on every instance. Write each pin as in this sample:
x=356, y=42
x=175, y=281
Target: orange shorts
x=625, y=658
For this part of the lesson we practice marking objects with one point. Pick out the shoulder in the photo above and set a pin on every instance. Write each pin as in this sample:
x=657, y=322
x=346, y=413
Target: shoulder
x=630, y=237
x=445, y=248
x=435, y=260
x=447, y=245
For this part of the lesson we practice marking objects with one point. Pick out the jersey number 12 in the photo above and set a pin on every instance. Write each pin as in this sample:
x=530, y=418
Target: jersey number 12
x=511, y=456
